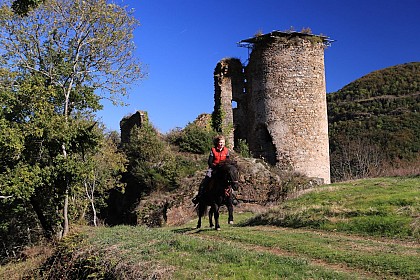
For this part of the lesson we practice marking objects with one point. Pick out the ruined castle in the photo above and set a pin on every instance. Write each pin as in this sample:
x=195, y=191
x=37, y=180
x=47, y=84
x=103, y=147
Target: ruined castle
x=277, y=102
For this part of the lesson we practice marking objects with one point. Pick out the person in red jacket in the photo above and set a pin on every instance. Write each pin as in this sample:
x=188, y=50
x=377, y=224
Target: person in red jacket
x=218, y=154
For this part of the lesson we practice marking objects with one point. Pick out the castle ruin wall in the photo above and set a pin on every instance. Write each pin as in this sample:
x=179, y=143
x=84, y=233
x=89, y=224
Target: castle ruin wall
x=283, y=112
x=129, y=122
x=288, y=98
x=228, y=84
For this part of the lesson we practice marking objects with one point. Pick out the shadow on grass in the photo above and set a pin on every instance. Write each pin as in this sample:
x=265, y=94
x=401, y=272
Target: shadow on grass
x=191, y=230
x=259, y=220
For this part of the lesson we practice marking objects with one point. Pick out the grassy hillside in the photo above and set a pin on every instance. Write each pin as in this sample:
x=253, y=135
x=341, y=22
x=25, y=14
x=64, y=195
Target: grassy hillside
x=382, y=207
x=364, y=229
x=374, y=123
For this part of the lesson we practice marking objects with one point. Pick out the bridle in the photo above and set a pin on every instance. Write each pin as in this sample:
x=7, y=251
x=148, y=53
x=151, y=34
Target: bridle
x=230, y=179
x=231, y=182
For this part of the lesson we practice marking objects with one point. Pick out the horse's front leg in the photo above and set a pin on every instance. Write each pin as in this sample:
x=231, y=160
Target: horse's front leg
x=211, y=217
x=199, y=222
x=216, y=217
x=229, y=206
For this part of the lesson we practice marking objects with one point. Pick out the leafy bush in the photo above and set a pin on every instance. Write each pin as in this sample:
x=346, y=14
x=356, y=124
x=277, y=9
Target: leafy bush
x=152, y=164
x=195, y=139
x=187, y=166
x=174, y=136
x=242, y=148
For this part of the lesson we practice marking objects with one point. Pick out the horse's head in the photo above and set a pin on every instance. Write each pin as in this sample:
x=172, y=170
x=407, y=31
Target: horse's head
x=231, y=173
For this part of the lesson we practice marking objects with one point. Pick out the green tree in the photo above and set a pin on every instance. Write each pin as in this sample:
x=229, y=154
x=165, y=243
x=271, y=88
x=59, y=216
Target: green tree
x=152, y=164
x=60, y=60
x=102, y=173
x=196, y=139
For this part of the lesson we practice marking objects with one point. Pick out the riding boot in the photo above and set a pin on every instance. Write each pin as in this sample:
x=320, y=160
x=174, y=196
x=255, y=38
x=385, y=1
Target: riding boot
x=234, y=199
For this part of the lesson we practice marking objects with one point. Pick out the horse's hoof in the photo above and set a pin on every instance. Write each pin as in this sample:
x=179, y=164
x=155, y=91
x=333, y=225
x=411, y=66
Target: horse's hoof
x=218, y=228
x=230, y=222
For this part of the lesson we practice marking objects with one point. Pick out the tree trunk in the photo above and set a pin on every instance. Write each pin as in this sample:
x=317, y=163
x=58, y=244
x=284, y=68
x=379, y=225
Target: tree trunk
x=65, y=212
x=46, y=226
x=90, y=196
x=66, y=199
x=94, y=213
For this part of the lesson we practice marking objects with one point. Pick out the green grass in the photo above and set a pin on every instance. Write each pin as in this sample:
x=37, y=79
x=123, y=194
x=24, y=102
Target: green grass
x=371, y=255
x=190, y=256
x=387, y=207
x=365, y=229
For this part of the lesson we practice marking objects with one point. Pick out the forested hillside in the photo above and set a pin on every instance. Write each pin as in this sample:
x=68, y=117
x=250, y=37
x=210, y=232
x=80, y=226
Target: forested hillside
x=374, y=124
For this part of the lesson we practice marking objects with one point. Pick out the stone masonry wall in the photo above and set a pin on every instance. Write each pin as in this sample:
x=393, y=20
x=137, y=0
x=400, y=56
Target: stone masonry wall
x=283, y=112
x=288, y=101
x=228, y=82
x=128, y=122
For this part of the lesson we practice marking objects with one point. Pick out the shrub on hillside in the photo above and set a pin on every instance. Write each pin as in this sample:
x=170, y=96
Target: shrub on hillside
x=192, y=139
x=242, y=148
x=151, y=163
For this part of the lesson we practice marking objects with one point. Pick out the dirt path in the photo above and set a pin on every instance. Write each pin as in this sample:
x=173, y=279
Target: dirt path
x=413, y=245
x=355, y=243
x=360, y=274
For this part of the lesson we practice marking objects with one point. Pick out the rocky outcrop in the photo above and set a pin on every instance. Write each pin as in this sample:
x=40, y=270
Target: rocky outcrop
x=260, y=186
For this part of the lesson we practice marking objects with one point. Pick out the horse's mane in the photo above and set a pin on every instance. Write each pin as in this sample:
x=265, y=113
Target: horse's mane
x=227, y=164
x=226, y=167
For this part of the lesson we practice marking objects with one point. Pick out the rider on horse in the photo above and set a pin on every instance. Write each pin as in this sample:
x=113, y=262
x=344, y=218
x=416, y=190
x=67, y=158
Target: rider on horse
x=218, y=154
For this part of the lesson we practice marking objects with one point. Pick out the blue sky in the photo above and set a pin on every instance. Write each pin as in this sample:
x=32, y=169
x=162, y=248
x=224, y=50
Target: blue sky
x=181, y=42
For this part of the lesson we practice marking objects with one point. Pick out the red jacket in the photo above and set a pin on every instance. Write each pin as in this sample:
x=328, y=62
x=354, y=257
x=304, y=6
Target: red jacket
x=217, y=157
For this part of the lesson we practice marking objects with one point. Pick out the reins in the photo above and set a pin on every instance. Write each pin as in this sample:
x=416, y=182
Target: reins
x=229, y=182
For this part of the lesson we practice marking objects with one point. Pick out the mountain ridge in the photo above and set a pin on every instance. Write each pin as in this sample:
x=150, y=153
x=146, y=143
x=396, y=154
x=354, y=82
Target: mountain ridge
x=379, y=115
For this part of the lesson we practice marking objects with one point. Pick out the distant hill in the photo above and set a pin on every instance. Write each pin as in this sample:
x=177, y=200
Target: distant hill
x=374, y=122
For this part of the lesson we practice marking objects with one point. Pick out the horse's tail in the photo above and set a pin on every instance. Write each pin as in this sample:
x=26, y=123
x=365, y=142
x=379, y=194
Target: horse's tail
x=204, y=212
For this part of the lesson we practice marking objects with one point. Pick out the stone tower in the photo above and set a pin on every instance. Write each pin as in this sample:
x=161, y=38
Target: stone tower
x=228, y=82
x=282, y=111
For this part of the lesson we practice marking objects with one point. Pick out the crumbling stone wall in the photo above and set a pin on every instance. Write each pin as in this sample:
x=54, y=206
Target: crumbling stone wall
x=128, y=122
x=228, y=85
x=283, y=112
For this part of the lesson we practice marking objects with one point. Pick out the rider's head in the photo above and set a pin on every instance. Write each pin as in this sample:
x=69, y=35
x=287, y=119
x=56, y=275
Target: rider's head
x=219, y=141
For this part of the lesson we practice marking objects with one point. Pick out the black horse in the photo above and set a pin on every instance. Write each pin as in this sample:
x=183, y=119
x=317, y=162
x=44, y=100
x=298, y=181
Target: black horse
x=218, y=192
